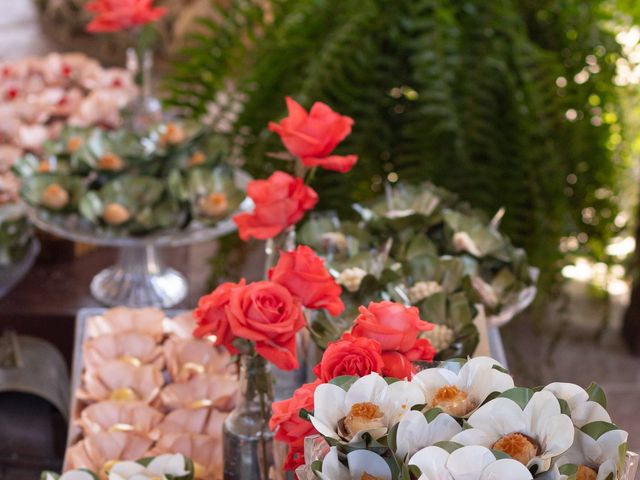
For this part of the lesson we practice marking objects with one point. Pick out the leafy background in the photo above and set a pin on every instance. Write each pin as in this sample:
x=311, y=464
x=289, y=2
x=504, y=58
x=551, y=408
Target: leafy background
x=508, y=103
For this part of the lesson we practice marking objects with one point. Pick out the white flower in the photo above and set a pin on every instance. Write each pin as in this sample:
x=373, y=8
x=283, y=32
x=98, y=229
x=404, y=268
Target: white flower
x=459, y=393
x=351, y=278
x=159, y=467
x=534, y=436
x=369, y=406
x=362, y=464
x=583, y=410
x=422, y=290
x=601, y=456
x=415, y=433
x=441, y=337
x=466, y=463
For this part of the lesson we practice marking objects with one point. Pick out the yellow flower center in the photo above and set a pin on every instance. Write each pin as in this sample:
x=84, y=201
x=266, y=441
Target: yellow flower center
x=198, y=470
x=361, y=417
x=74, y=143
x=43, y=166
x=518, y=446
x=366, y=476
x=198, y=158
x=121, y=427
x=54, y=196
x=110, y=161
x=189, y=368
x=173, y=134
x=115, y=214
x=130, y=360
x=452, y=400
x=586, y=473
x=205, y=402
x=214, y=204
x=124, y=395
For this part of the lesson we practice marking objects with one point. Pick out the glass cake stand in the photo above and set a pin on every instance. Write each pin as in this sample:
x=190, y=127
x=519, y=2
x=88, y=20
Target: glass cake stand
x=139, y=278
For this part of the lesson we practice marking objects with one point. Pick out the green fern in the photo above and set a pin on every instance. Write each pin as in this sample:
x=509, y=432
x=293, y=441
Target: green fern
x=462, y=93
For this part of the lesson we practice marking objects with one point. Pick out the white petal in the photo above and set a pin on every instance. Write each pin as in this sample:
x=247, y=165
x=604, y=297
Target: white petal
x=575, y=453
x=609, y=444
x=541, y=406
x=475, y=365
x=432, y=463
x=475, y=436
x=329, y=408
x=499, y=417
x=432, y=379
x=73, y=475
x=332, y=469
x=505, y=468
x=608, y=467
x=587, y=412
x=569, y=392
x=555, y=435
x=126, y=469
x=370, y=388
x=365, y=461
x=415, y=433
x=168, y=464
x=398, y=400
x=486, y=381
x=467, y=463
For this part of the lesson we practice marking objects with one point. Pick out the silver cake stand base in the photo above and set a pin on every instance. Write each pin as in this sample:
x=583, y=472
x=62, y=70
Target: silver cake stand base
x=139, y=278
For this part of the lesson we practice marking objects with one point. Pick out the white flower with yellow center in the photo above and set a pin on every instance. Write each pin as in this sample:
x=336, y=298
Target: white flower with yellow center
x=534, y=435
x=415, y=432
x=159, y=468
x=460, y=392
x=361, y=465
x=596, y=458
x=369, y=406
x=466, y=463
x=582, y=409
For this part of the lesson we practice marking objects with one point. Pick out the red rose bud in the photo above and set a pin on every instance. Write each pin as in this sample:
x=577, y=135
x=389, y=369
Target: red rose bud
x=313, y=136
x=212, y=318
x=396, y=365
x=117, y=15
x=393, y=325
x=267, y=314
x=280, y=201
x=350, y=356
x=303, y=273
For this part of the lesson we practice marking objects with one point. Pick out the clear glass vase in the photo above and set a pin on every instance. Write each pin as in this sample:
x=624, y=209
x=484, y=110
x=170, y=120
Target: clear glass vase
x=247, y=440
x=146, y=109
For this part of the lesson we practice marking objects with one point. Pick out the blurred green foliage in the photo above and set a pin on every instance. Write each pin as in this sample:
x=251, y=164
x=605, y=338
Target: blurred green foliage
x=507, y=102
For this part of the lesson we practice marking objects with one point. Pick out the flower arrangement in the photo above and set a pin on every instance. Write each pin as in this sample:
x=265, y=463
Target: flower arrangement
x=384, y=340
x=462, y=419
x=165, y=467
x=123, y=182
x=282, y=200
x=422, y=247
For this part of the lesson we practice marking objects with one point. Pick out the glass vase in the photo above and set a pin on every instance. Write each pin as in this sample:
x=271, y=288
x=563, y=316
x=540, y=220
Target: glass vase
x=247, y=440
x=146, y=109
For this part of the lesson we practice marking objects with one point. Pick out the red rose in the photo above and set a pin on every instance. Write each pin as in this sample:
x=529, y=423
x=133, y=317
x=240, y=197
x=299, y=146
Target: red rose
x=212, y=318
x=285, y=420
x=270, y=316
x=313, y=136
x=280, y=201
x=116, y=15
x=350, y=356
x=303, y=273
x=421, y=351
x=396, y=365
x=395, y=326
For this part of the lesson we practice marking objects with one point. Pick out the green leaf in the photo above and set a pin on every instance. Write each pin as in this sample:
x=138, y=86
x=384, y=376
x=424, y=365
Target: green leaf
x=343, y=381
x=519, y=395
x=448, y=446
x=597, y=429
x=596, y=394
